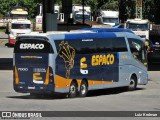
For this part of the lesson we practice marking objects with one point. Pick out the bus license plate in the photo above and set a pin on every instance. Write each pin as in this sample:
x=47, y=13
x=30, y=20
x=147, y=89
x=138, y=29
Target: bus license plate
x=31, y=87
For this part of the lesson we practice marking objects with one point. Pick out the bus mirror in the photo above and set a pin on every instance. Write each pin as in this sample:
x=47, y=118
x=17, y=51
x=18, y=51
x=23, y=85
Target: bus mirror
x=146, y=43
x=125, y=25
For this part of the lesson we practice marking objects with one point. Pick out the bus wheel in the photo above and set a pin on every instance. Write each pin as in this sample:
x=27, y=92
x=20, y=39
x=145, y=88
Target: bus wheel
x=83, y=89
x=133, y=83
x=73, y=89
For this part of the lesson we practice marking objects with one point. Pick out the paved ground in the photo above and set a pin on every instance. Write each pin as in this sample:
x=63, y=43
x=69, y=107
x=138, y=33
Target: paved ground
x=145, y=98
x=3, y=35
x=3, y=39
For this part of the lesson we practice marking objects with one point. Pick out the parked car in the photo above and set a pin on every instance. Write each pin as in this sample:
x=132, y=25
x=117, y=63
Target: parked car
x=153, y=51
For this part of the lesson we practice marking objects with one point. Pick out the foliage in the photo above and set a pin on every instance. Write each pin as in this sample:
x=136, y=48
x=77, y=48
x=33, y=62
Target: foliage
x=126, y=8
x=6, y=6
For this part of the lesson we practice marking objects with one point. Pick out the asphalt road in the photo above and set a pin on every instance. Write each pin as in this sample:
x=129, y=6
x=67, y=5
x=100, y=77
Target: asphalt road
x=145, y=98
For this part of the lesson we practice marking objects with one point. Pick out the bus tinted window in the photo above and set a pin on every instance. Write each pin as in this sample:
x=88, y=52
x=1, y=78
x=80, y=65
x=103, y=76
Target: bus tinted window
x=119, y=45
x=100, y=45
x=137, y=49
x=20, y=26
x=80, y=46
x=86, y=46
x=104, y=45
x=32, y=45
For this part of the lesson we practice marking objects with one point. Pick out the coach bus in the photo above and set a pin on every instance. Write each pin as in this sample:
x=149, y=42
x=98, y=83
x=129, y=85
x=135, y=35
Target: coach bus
x=76, y=62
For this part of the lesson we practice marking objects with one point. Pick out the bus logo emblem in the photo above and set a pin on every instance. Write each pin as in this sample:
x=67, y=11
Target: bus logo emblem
x=67, y=52
x=83, y=66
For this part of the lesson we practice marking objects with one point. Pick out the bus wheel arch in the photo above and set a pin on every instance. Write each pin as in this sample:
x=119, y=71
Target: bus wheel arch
x=73, y=89
x=133, y=82
x=83, y=88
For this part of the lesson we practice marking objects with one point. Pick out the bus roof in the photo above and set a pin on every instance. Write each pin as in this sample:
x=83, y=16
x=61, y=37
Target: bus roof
x=108, y=30
x=86, y=33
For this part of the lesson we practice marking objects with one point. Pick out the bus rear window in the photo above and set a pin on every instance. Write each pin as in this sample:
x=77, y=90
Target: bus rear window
x=32, y=45
x=20, y=26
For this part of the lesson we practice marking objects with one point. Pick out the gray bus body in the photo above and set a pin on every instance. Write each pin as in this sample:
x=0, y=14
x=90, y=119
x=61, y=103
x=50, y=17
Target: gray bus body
x=52, y=62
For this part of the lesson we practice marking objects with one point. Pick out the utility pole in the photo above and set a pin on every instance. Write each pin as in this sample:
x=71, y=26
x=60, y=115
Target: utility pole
x=139, y=9
x=49, y=18
x=83, y=11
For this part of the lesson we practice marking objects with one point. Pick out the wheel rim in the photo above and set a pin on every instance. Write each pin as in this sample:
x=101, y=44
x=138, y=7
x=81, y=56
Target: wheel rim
x=83, y=89
x=132, y=84
x=73, y=89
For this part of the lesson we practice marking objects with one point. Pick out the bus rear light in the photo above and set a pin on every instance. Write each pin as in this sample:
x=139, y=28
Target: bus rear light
x=20, y=87
x=150, y=51
x=16, y=77
x=49, y=76
x=12, y=40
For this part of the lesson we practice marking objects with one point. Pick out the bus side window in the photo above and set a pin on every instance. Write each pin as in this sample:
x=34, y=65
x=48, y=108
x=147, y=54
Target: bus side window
x=137, y=49
x=119, y=45
x=104, y=46
x=80, y=46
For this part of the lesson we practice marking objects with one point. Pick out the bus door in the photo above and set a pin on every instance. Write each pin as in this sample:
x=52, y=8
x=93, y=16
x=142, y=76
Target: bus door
x=31, y=67
x=120, y=55
x=105, y=59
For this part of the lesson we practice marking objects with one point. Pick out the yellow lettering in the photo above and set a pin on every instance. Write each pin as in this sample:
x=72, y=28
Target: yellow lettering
x=98, y=60
x=111, y=59
x=93, y=60
x=82, y=64
x=107, y=59
x=104, y=60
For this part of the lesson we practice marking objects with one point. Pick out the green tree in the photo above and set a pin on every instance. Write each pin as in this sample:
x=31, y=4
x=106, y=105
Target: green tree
x=156, y=11
x=149, y=10
x=126, y=8
x=30, y=5
x=122, y=11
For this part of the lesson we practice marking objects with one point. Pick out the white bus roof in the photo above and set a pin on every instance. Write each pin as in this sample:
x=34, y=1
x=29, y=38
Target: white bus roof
x=138, y=21
x=109, y=13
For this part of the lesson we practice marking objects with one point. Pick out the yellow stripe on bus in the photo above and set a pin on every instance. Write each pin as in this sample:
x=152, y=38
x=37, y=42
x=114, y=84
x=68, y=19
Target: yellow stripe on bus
x=61, y=82
x=47, y=77
x=16, y=76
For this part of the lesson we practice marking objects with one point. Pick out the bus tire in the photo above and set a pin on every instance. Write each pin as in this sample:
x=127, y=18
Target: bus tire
x=73, y=90
x=133, y=84
x=83, y=89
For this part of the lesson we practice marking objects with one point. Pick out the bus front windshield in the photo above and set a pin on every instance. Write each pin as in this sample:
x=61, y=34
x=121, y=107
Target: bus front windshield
x=134, y=26
x=21, y=26
x=110, y=20
x=19, y=16
x=79, y=17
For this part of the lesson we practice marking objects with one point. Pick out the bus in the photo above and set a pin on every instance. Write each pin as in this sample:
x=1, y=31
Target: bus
x=77, y=62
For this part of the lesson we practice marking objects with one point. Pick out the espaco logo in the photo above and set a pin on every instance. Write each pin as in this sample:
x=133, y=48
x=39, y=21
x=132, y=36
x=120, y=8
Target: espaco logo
x=31, y=46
